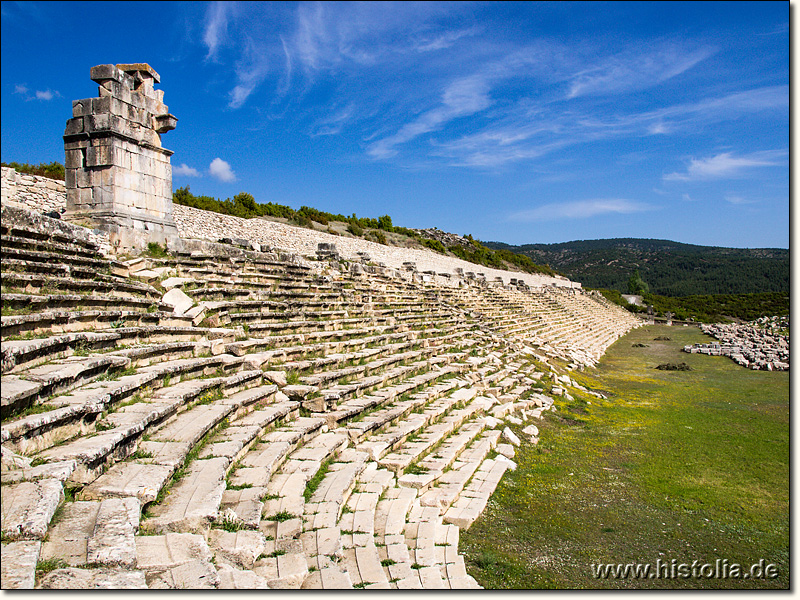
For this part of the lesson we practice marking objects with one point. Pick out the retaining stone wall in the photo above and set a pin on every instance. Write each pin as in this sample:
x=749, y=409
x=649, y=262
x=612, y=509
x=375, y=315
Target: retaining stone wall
x=40, y=194
x=201, y=224
x=43, y=195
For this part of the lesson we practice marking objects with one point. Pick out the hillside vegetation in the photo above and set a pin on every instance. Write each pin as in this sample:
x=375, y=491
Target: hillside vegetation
x=709, y=308
x=53, y=170
x=669, y=268
x=375, y=230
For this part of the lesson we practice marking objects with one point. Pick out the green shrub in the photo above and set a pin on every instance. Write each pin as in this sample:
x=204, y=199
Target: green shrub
x=434, y=245
x=53, y=170
x=156, y=250
x=376, y=236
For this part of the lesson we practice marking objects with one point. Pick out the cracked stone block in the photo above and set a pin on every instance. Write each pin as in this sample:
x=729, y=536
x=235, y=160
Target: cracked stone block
x=88, y=579
x=240, y=548
x=28, y=507
x=235, y=579
x=193, y=575
x=161, y=552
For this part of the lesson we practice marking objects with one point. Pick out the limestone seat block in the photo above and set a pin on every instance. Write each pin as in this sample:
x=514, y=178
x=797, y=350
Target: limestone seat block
x=28, y=507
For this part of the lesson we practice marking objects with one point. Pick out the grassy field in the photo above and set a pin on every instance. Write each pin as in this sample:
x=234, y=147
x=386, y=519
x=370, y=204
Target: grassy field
x=676, y=466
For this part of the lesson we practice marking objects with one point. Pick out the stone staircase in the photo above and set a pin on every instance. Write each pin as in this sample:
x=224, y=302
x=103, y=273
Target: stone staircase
x=230, y=419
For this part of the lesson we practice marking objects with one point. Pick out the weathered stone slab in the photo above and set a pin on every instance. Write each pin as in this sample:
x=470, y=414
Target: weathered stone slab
x=68, y=538
x=160, y=552
x=243, y=505
x=178, y=300
x=268, y=457
x=235, y=579
x=112, y=541
x=511, y=436
x=90, y=579
x=329, y=578
x=287, y=571
x=14, y=392
x=194, y=501
x=506, y=450
x=170, y=454
x=18, y=565
x=369, y=565
x=95, y=532
x=28, y=507
x=193, y=575
x=239, y=548
x=58, y=470
x=298, y=392
x=140, y=480
x=192, y=425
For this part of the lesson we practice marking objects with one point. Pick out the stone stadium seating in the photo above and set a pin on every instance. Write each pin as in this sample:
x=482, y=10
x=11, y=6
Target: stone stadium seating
x=231, y=419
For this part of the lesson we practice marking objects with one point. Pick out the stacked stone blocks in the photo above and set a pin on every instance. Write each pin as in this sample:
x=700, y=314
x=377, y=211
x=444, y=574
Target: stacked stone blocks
x=115, y=165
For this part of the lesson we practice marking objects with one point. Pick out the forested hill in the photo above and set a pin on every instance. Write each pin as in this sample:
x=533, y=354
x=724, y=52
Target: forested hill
x=669, y=268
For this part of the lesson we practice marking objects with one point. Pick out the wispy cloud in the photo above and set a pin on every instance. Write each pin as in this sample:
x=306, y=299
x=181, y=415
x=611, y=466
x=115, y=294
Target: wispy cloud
x=440, y=41
x=186, y=171
x=581, y=209
x=216, y=27
x=631, y=71
x=726, y=165
x=251, y=70
x=526, y=130
x=21, y=88
x=221, y=170
x=327, y=35
x=461, y=98
x=334, y=123
x=735, y=199
x=421, y=83
x=45, y=95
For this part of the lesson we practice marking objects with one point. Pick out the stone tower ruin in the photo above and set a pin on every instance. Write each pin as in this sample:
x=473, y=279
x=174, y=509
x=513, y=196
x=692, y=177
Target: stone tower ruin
x=118, y=176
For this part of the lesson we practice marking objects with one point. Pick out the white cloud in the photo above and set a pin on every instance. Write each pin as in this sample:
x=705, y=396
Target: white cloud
x=334, y=123
x=216, y=27
x=461, y=98
x=186, y=171
x=636, y=71
x=581, y=209
x=738, y=200
x=221, y=170
x=23, y=90
x=442, y=41
x=725, y=165
x=250, y=72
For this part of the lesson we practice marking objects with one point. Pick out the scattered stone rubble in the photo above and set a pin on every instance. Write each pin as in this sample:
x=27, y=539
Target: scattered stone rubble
x=235, y=417
x=759, y=345
x=448, y=239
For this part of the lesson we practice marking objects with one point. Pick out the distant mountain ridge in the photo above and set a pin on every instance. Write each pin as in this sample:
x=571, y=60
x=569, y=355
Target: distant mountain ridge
x=669, y=268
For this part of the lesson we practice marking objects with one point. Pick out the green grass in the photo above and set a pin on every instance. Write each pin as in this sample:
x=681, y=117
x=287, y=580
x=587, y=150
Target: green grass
x=316, y=479
x=685, y=465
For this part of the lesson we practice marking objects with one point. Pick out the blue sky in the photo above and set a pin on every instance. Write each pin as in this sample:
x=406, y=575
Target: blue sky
x=516, y=122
